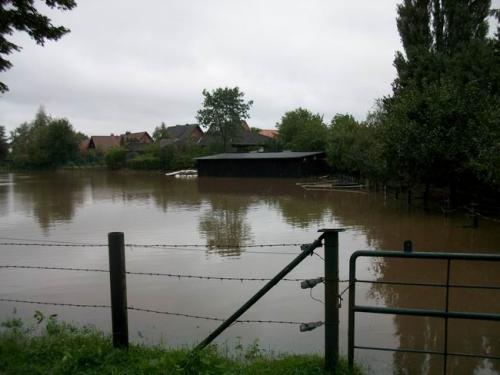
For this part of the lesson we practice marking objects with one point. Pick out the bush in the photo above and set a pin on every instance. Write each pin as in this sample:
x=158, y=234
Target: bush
x=115, y=158
x=146, y=162
x=179, y=157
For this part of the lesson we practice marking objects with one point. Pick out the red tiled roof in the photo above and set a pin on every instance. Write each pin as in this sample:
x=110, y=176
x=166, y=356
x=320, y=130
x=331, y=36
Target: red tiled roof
x=104, y=142
x=270, y=133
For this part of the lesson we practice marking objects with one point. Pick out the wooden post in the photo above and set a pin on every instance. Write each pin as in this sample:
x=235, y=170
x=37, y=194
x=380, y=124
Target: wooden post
x=331, y=298
x=408, y=246
x=118, y=283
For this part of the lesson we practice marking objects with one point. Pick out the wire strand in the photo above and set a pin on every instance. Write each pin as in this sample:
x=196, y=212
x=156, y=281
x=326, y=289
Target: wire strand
x=76, y=244
x=160, y=274
x=313, y=298
x=133, y=308
x=195, y=247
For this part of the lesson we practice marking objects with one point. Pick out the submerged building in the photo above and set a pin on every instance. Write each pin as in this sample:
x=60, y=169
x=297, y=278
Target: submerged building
x=263, y=164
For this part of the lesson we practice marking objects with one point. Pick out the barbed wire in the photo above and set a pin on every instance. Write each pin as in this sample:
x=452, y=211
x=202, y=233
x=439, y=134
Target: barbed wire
x=488, y=217
x=163, y=274
x=160, y=312
x=53, y=268
x=54, y=303
x=48, y=244
x=75, y=244
x=229, y=246
x=193, y=247
x=171, y=275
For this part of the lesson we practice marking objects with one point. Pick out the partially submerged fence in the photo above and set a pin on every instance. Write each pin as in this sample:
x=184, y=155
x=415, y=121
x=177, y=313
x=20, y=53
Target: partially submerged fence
x=118, y=286
x=329, y=238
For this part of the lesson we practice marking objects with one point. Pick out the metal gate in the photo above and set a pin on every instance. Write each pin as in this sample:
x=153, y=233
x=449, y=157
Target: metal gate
x=445, y=314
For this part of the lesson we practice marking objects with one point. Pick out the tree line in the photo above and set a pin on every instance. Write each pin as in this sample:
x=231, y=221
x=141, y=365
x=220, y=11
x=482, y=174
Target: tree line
x=439, y=126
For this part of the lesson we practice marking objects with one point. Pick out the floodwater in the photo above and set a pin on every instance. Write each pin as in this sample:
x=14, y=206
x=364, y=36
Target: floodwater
x=226, y=219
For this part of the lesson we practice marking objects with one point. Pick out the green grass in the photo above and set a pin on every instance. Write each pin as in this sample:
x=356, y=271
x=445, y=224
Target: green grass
x=50, y=347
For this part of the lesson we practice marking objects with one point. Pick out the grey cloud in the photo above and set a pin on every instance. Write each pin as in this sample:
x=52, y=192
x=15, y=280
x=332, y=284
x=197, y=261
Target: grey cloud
x=129, y=65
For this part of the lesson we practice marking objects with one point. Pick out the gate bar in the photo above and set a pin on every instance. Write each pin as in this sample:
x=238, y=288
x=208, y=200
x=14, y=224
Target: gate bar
x=353, y=308
x=260, y=293
x=430, y=313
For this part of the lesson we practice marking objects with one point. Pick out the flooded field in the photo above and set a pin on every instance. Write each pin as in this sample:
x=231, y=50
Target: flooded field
x=221, y=224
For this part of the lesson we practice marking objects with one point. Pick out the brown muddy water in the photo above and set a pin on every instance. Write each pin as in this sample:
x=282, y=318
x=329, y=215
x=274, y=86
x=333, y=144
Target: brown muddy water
x=82, y=207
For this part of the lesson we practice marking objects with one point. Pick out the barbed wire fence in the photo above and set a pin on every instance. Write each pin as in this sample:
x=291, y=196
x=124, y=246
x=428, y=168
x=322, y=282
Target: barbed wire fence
x=196, y=247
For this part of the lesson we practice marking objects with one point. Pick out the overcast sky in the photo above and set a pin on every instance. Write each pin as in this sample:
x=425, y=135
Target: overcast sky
x=130, y=65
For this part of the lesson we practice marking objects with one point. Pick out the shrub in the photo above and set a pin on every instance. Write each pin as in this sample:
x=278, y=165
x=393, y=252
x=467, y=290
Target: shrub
x=146, y=162
x=115, y=158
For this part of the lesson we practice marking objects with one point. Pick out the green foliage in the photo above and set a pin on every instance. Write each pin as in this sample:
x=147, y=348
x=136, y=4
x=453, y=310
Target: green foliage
x=441, y=123
x=116, y=158
x=24, y=16
x=180, y=157
x=58, y=348
x=92, y=157
x=223, y=111
x=160, y=132
x=145, y=162
x=81, y=137
x=44, y=143
x=167, y=158
x=301, y=130
x=354, y=148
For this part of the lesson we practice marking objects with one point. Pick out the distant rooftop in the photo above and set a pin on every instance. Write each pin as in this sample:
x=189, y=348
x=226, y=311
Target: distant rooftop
x=270, y=133
x=262, y=155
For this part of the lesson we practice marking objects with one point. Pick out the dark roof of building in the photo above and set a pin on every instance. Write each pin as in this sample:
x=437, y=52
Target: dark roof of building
x=262, y=155
x=242, y=138
x=134, y=137
x=167, y=141
x=179, y=134
x=105, y=142
x=181, y=131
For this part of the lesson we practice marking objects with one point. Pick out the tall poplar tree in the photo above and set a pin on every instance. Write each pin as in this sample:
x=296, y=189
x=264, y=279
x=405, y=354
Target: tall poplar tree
x=443, y=116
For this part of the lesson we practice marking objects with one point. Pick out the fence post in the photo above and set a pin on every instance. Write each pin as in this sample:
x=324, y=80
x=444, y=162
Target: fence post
x=118, y=284
x=408, y=246
x=331, y=297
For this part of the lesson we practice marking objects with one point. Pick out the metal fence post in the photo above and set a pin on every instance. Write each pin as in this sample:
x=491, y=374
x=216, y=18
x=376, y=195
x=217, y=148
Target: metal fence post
x=331, y=297
x=118, y=284
x=352, y=316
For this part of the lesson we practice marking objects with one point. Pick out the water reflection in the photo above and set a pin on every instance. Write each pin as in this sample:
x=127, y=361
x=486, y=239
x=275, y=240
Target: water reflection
x=6, y=182
x=50, y=198
x=221, y=213
x=142, y=188
x=225, y=226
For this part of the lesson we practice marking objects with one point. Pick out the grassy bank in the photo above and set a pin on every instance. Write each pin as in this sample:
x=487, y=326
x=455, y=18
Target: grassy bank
x=57, y=348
